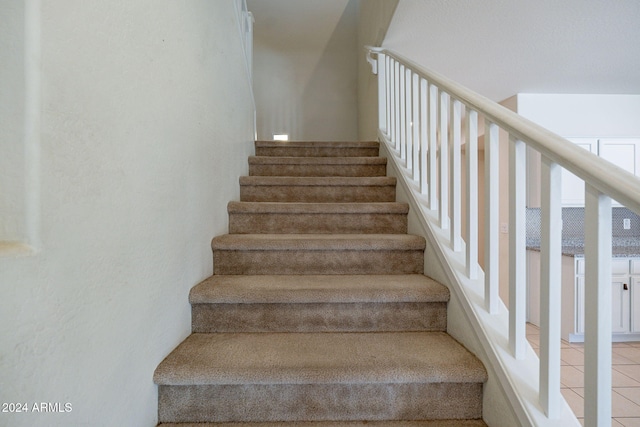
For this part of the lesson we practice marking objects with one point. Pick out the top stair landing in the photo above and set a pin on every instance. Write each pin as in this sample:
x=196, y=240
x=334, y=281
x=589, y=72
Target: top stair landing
x=317, y=148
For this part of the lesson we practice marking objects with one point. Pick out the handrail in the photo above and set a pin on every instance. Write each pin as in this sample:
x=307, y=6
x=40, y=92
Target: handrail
x=614, y=181
x=424, y=121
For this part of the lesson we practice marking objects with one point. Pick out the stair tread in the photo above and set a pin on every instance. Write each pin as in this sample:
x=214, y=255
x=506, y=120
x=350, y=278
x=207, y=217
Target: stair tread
x=318, y=242
x=319, y=358
x=306, y=144
x=426, y=423
x=288, y=160
x=318, y=208
x=318, y=289
x=331, y=181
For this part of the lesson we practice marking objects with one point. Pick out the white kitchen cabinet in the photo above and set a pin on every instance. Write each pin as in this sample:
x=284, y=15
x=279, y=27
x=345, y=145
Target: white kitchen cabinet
x=572, y=186
x=623, y=152
x=625, y=300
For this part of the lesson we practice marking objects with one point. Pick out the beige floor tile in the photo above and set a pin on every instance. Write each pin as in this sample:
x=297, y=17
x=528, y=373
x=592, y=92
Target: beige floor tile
x=616, y=359
x=625, y=376
x=575, y=401
x=577, y=346
x=631, y=353
x=532, y=329
x=571, y=356
x=631, y=393
x=571, y=376
x=579, y=391
x=632, y=371
x=620, y=345
x=616, y=423
x=629, y=422
x=621, y=407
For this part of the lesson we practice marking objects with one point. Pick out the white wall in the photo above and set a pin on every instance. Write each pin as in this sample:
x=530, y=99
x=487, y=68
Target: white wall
x=305, y=68
x=373, y=20
x=583, y=115
x=502, y=47
x=12, y=88
x=146, y=125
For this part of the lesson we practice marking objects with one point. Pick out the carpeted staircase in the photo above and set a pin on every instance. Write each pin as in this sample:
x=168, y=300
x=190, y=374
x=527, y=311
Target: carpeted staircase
x=318, y=312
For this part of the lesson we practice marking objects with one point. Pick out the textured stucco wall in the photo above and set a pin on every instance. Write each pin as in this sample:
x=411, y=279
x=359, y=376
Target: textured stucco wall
x=12, y=87
x=146, y=124
x=305, y=69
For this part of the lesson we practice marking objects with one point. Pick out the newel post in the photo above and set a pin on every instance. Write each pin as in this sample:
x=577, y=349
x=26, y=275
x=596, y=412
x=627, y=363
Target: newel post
x=378, y=66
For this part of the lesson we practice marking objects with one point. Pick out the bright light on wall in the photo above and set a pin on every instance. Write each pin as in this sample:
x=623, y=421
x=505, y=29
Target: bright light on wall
x=280, y=137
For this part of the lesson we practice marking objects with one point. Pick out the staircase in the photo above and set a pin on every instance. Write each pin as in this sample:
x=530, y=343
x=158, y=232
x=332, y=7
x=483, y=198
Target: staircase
x=318, y=312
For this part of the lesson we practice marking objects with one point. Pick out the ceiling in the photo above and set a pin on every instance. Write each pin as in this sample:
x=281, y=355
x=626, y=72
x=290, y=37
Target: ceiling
x=298, y=24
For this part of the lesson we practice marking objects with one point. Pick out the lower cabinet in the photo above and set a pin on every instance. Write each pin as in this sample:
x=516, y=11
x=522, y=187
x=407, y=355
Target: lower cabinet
x=625, y=300
x=625, y=297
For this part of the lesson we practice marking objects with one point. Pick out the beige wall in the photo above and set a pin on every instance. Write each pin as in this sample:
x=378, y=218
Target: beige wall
x=146, y=124
x=305, y=68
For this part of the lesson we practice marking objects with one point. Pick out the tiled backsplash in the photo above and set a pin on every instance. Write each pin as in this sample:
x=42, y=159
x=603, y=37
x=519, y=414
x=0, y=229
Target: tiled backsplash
x=573, y=224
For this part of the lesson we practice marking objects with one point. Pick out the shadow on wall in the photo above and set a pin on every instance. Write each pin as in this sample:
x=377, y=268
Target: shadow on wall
x=330, y=97
x=305, y=72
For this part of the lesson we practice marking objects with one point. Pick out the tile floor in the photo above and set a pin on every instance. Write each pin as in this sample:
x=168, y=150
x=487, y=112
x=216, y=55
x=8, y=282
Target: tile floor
x=625, y=378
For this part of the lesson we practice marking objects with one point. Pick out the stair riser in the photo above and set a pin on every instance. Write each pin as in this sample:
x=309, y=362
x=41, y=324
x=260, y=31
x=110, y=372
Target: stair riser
x=298, y=223
x=319, y=317
x=317, y=151
x=319, y=402
x=317, y=194
x=427, y=423
x=318, y=170
x=318, y=262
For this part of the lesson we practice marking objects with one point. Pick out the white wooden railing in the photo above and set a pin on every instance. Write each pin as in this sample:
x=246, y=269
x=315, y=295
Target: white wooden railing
x=424, y=120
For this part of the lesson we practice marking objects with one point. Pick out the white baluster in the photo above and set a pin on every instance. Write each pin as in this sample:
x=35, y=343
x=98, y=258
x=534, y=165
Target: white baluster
x=472, y=194
x=396, y=79
x=443, y=174
x=408, y=91
x=455, y=176
x=550, y=288
x=382, y=93
x=597, y=357
x=432, y=129
x=491, y=217
x=403, y=115
x=416, y=126
x=517, y=247
x=389, y=73
x=424, y=141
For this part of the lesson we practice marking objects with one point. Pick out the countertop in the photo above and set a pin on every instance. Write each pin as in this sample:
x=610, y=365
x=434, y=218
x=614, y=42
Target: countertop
x=623, y=247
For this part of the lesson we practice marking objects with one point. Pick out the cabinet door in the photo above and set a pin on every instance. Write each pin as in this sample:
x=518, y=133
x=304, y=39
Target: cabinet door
x=623, y=152
x=620, y=304
x=572, y=186
x=579, y=301
x=635, y=303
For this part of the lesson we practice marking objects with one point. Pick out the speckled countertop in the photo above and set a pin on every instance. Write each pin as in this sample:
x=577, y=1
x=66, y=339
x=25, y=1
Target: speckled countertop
x=625, y=242
x=623, y=247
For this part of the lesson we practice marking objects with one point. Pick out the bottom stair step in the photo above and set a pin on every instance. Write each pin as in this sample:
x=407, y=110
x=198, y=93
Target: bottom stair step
x=431, y=423
x=252, y=377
